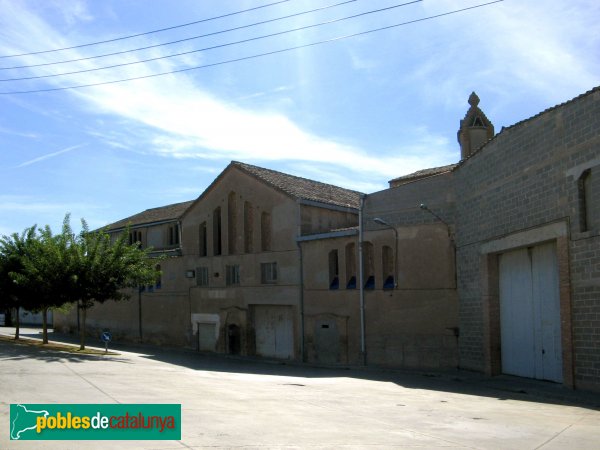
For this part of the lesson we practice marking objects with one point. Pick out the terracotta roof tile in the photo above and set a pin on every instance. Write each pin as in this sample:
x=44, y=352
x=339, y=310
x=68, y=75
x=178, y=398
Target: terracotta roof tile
x=160, y=214
x=422, y=174
x=303, y=188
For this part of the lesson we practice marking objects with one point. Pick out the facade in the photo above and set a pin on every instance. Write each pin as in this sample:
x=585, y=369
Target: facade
x=490, y=264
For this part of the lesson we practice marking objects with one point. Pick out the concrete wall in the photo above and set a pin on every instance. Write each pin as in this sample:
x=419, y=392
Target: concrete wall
x=523, y=180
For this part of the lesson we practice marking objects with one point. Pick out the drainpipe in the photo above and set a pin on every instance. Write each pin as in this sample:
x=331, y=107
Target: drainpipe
x=361, y=282
x=302, y=351
x=302, y=329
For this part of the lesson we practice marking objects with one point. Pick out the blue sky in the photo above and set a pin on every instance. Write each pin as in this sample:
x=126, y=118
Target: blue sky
x=356, y=112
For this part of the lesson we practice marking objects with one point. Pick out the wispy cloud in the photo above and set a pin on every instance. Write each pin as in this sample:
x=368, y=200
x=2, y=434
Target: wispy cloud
x=50, y=155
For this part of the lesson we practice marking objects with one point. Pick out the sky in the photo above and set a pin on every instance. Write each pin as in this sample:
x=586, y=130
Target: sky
x=354, y=112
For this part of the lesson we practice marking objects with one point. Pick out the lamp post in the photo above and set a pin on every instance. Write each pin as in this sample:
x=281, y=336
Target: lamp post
x=380, y=221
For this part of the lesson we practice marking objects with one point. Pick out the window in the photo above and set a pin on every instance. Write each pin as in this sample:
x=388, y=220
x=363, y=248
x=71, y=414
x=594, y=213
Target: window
x=201, y=276
x=368, y=266
x=387, y=265
x=135, y=237
x=265, y=231
x=174, y=234
x=351, y=266
x=232, y=223
x=217, y=249
x=248, y=227
x=232, y=275
x=202, y=240
x=268, y=273
x=589, y=199
x=158, y=276
x=334, y=274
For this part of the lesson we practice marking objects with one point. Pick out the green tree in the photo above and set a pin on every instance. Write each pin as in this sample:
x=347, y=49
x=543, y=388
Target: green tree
x=14, y=250
x=49, y=270
x=106, y=267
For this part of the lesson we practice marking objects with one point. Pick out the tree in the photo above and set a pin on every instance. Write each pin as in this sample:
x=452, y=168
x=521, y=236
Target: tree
x=14, y=250
x=105, y=268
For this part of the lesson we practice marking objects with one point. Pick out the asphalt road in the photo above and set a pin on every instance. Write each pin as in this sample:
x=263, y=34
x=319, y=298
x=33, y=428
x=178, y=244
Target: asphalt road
x=236, y=403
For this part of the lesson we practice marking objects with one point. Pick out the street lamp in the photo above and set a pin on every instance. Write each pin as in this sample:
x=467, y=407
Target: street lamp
x=380, y=221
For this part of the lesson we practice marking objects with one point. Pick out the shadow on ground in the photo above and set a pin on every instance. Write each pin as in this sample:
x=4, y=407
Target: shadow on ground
x=503, y=387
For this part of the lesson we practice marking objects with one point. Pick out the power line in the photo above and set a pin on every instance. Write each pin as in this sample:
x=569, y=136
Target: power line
x=339, y=38
x=147, y=32
x=213, y=47
x=180, y=40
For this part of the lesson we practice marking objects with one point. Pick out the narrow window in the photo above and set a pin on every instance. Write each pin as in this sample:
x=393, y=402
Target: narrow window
x=202, y=276
x=202, y=239
x=589, y=199
x=232, y=223
x=217, y=249
x=158, y=276
x=351, y=266
x=135, y=237
x=334, y=273
x=265, y=231
x=174, y=234
x=248, y=227
x=368, y=265
x=387, y=265
x=268, y=273
x=232, y=275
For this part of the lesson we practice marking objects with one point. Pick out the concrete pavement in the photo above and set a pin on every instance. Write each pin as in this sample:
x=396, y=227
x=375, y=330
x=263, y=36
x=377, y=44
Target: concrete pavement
x=232, y=403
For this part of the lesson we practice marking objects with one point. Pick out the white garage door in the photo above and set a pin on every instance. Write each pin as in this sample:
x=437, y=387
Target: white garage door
x=274, y=328
x=530, y=313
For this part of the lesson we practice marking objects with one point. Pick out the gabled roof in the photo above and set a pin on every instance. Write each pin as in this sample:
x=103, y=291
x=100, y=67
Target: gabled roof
x=153, y=215
x=302, y=188
x=421, y=174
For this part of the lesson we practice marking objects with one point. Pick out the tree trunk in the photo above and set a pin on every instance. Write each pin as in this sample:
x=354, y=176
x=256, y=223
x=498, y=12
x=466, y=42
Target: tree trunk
x=17, y=324
x=82, y=328
x=45, y=326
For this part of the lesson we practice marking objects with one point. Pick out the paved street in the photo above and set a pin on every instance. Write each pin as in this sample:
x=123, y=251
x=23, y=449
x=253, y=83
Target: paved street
x=233, y=403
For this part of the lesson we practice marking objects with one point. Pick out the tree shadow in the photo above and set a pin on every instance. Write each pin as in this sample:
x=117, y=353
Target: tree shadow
x=503, y=387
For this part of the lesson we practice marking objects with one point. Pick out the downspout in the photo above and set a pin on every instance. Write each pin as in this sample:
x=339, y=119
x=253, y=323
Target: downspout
x=302, y=327
x=302, y=352
x=361, y=282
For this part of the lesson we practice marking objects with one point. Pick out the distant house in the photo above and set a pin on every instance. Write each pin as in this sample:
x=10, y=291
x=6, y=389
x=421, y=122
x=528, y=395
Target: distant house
x=490, y=264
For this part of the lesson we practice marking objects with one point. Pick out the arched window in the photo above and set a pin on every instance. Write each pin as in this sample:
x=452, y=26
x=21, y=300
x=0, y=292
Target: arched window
x=350, y=266
x=202, y=240
x=217, y=245
x=368, y=266
x=265, y=231
x=158, y=277
x=334, y=273
x=248, y=227
x=387, y=266
x=232, y=223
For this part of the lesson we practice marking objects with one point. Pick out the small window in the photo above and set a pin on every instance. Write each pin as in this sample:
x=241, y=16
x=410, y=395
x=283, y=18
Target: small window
x=589, y=199
x=368, y=266
x=202, y=276
x=351, y=265
x=248, y=227
x=370, y=284
x=232, y=275
x=268, y=273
